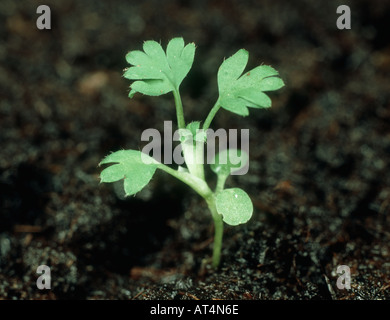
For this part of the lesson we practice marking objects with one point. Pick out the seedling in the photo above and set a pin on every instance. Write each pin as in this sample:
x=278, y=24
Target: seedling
x=155, y=73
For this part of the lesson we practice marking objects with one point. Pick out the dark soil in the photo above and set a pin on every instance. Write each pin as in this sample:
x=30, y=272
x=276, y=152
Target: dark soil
x=319, y=158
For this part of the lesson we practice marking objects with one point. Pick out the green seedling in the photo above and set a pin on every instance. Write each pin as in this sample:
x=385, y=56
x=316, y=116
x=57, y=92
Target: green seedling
x=155, y=73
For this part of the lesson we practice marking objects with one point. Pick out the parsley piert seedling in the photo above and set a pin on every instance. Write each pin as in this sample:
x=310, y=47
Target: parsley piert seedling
x=155, y=73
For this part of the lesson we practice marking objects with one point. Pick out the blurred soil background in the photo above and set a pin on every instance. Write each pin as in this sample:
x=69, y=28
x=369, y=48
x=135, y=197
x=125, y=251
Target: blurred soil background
x=319, y=158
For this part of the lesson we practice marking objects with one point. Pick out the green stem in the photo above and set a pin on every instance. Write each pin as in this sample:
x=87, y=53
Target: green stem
x=218, y=222
x=179, y=110
x=193, y=156
x=201, y=187
x=220, y=183
x=211, y=115
x=218, y=232
x=197, y=184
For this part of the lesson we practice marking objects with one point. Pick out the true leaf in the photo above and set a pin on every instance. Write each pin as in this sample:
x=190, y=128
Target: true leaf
x=239, y=91
x=129, y=166
x=193, y=133
x=234, y=205
x=193, y=127
x=229, y=161
x=157, y=72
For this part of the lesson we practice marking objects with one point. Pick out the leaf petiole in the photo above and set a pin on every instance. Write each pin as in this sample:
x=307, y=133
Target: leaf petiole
x=197, y=184
x=179, y=109
x=211, y=115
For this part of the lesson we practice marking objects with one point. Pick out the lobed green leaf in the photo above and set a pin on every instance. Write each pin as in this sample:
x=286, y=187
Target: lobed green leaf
x=129, y=166
x=156, y=72
x=237, y=92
